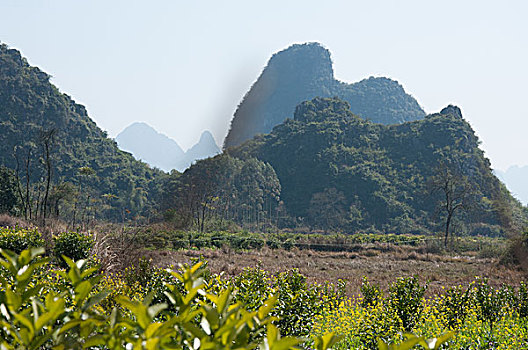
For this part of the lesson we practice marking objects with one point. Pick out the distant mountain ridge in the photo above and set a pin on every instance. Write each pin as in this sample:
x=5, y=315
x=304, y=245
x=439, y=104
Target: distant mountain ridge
x=160, y=151
x=302, y=72
x=206, y=147
x=150, y=146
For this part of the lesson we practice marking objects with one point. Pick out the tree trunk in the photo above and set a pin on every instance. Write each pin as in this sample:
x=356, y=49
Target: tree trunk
x=19, y=187
x=448, y=223
x=28, y=203
x=204, y=208
x=48, y=178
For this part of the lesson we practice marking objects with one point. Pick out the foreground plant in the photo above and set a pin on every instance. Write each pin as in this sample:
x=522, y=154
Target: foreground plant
x=412, y=340
x=34, y=315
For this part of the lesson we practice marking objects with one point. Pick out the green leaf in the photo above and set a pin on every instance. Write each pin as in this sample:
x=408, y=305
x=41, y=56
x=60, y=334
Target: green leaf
x=223, y=299
x=265, y=309
x=154, y=310
x=81, y=291
x=382, y=345
x=152, y=328
x=326, y=341
x=94, y=300
x=97, y=340
x=409, y=343
x=26, y=323
x=285, y=343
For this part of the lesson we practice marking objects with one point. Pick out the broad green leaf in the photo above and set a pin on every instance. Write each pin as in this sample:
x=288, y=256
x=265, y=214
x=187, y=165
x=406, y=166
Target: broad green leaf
x=326, y=341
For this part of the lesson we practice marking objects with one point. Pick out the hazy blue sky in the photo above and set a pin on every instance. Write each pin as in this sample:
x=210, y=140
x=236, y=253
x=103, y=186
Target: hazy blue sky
x=183, y=66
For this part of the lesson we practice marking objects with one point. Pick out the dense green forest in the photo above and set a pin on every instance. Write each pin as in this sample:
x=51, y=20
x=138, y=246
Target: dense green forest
x=302, y=72
x=65, y=165
x=340, y=171
x=328, y=169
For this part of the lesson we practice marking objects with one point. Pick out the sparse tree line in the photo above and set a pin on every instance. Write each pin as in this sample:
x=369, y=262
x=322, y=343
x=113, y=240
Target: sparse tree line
x=34, y=189
x=224, y=189
x=29, y=189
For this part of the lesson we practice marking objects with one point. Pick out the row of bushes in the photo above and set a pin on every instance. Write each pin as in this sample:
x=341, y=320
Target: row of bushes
x=480, y=316
x=247, y=240
x=163, y=239
x=199, y=313
x=299, y=308
x=307, y=309
x=298, y=302
x=74, y=245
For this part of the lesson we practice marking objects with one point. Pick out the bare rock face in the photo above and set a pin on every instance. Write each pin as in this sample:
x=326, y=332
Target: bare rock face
x=302, y=72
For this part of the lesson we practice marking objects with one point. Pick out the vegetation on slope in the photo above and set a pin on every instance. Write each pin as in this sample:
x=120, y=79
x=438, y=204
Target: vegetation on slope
x=48, y=139
x=326, y=169
x=339, y=171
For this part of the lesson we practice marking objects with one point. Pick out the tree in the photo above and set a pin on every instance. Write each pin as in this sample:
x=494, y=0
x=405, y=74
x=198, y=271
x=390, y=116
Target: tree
x=198, y=190
x=64, y=191
x=258, y=191
x=84, y=173
x=327, y=209
x=455, y=190
x=47, y=138
x=223, y=188
x=8, y=190
x=25, y=198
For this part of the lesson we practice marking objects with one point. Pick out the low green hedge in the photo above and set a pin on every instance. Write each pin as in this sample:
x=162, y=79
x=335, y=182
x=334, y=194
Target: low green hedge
x=74, y=245
x=18, y=239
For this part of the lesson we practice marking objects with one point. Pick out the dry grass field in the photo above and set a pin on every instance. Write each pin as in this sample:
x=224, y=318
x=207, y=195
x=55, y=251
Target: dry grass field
x=381, y=264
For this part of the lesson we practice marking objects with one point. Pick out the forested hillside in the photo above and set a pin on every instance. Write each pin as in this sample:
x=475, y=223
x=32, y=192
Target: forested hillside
x=302, y=72
x=68, y=162
x=339, y=171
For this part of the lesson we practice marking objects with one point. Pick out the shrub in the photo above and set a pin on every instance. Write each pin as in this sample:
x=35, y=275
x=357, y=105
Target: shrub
x=488, y=301
x=74, y=245
x=372, y=293
x=17, y=239
x=298, y=302
x=254, y=243
x=150, y=279
x=516, y=252
x=455, y=306
x=297, y=305
x=273, y=243
x=523, y=300
x=288, y=244
x=405, y=300
x=33, y=317
x=254, y=286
